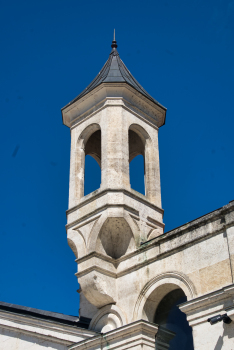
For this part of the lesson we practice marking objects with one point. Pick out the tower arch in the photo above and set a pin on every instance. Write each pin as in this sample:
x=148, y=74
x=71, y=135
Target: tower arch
x=137, y=137
x=140, y=143
x=88, y=143
x=136, y=145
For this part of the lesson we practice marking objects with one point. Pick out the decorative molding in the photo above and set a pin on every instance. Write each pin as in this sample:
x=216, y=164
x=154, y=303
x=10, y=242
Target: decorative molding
x=136, y=335
x=99, y=193
x=95, y=268
x=144, y=108
x=155, y=222
x=199, y=309
x=172, y=277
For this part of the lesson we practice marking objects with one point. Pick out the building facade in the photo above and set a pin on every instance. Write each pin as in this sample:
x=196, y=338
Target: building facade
x=140, y=288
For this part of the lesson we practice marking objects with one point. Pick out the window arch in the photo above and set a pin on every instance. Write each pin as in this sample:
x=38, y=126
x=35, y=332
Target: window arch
x=137, y=140
x=88, y=149
x=93, y=146
x=136, y=145
x=140, y=143
x=136, y=162
x=92, y=166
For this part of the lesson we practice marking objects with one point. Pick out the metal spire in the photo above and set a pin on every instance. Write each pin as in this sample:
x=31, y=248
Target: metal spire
x=114, y=42
x=114, y=71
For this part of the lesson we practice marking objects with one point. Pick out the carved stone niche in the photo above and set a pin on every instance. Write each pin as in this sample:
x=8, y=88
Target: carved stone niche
x=97, y=271
x=115, y=238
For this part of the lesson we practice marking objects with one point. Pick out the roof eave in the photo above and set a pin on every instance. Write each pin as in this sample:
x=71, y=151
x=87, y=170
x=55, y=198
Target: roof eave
x=85, y=95
x=125, y=84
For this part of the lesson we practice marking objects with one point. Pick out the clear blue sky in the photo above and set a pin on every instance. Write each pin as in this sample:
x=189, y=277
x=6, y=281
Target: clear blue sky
x=182, y=53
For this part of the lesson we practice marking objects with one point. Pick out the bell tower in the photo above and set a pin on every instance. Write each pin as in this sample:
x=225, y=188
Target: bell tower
x=113, y=120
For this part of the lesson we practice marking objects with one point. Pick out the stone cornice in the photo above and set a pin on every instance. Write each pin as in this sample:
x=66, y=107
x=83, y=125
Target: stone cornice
x=198, y=310
x=95, y=268
x=208, y=299
x=43, y=329
x=197, y=223
x=99, y=193
x=95, y=100
x=95, y=214
x=135, y=333
x=164, y=245
x=114, y=101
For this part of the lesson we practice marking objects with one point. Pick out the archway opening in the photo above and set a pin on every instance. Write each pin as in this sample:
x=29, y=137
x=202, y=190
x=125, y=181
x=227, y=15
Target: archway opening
x=136, y=162
x=169, y=316
x=92, y=173
x=137, y=174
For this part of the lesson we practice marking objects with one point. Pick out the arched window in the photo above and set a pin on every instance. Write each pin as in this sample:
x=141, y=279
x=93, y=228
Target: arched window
x=169, y=316
x=145, y=173
x=92, y=173
x=136, y=162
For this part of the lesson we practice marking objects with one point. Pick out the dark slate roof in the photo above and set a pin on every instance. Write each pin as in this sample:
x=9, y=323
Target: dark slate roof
x=81, y=322
x=115, y=71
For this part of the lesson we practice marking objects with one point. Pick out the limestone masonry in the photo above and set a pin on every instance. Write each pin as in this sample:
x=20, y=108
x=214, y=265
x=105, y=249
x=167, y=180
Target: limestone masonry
x=132, y=275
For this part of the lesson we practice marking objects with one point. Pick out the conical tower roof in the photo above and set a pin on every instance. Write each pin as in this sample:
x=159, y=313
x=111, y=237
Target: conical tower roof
x=115, y=71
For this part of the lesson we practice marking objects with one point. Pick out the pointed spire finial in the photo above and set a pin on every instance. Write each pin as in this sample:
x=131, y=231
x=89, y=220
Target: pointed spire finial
x=114, y=42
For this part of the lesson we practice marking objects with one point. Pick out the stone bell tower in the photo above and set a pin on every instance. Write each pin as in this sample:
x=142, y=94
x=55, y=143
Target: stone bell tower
x=113, y=120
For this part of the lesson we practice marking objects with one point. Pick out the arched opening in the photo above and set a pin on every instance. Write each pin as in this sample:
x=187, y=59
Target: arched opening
x=137, y=174
x=136, y=162
x=92, y=167
x=92, y=177
x=154, y=292
x=168, y=316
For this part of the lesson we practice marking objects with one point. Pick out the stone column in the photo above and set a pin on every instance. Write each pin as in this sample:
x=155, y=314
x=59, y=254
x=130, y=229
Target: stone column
x=115, y=173
x=77, y=159
x=152, y=172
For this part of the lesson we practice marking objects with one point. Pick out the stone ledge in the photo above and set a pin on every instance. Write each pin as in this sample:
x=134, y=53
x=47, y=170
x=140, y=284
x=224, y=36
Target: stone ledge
x=43, y=329
x=139, y=335
x=99, y=193
x=196, y=224
x=198, y=310
x=218, y=213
